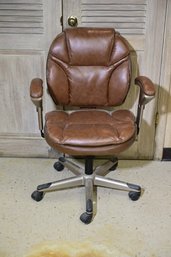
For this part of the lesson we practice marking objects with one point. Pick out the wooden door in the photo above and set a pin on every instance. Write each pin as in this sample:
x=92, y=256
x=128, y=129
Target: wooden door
x=141, y=22
x=26, y=31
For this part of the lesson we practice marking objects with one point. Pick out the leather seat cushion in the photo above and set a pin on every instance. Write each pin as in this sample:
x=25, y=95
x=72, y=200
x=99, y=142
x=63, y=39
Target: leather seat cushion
x=89, y=128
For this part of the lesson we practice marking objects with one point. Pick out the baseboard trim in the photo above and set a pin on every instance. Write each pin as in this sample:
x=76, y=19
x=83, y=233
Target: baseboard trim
x=23, y=147
x=166, y=154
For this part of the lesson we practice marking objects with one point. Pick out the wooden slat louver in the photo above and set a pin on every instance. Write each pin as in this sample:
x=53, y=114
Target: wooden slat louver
x=127, y=16
x=21, y=17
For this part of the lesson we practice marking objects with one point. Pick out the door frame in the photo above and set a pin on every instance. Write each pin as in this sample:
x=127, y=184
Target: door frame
x=164, y=94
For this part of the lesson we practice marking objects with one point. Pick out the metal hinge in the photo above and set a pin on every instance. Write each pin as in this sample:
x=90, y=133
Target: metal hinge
x=157, y=119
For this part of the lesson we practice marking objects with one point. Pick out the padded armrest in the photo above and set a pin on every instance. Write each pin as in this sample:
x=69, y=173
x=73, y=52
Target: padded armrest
x=147, y=93
x=36, y=91
x=36, y=94
x=147, y=89
x=146, y=85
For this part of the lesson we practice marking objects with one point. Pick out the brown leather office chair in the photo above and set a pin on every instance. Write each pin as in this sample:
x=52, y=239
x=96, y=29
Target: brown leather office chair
x=89, y=68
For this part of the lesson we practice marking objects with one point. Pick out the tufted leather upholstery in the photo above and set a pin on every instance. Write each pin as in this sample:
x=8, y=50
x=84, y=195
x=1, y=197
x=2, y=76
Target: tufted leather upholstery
x=89, y=67
x=90, y=129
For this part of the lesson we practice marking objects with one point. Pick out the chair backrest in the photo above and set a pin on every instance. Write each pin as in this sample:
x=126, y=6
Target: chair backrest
x=88, y=67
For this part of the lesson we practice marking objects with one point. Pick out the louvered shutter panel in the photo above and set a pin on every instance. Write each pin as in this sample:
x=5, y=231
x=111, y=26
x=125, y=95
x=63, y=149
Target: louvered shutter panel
x=127, y=16
x=27, y=28
x=21, y=17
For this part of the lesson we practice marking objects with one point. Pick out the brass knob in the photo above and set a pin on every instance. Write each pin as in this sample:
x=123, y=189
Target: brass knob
x=72, y=21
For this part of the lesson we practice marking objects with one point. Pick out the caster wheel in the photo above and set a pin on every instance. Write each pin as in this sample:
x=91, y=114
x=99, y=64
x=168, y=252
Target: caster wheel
x=58, y=166
x=37, y=196
x=134, y=196
x=86, y=218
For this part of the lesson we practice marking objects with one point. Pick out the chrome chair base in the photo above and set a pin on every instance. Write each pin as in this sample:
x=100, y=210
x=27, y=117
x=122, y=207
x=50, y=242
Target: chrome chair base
x=87, y=178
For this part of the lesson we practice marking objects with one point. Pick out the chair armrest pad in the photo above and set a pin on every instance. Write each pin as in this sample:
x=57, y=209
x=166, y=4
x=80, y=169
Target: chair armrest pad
x=36, y=94
x=36, y=88
x=146, y=85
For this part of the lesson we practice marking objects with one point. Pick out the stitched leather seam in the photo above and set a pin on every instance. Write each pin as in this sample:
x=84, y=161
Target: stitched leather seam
x=112, y=47
x=115, y=66
x=69, y=55
x=57, y=63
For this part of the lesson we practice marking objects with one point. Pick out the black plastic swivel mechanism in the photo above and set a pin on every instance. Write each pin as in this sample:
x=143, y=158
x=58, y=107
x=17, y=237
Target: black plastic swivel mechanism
x=89, y=177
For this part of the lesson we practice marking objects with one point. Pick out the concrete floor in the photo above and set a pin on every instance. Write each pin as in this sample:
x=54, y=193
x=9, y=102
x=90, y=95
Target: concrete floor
x=51, y=228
